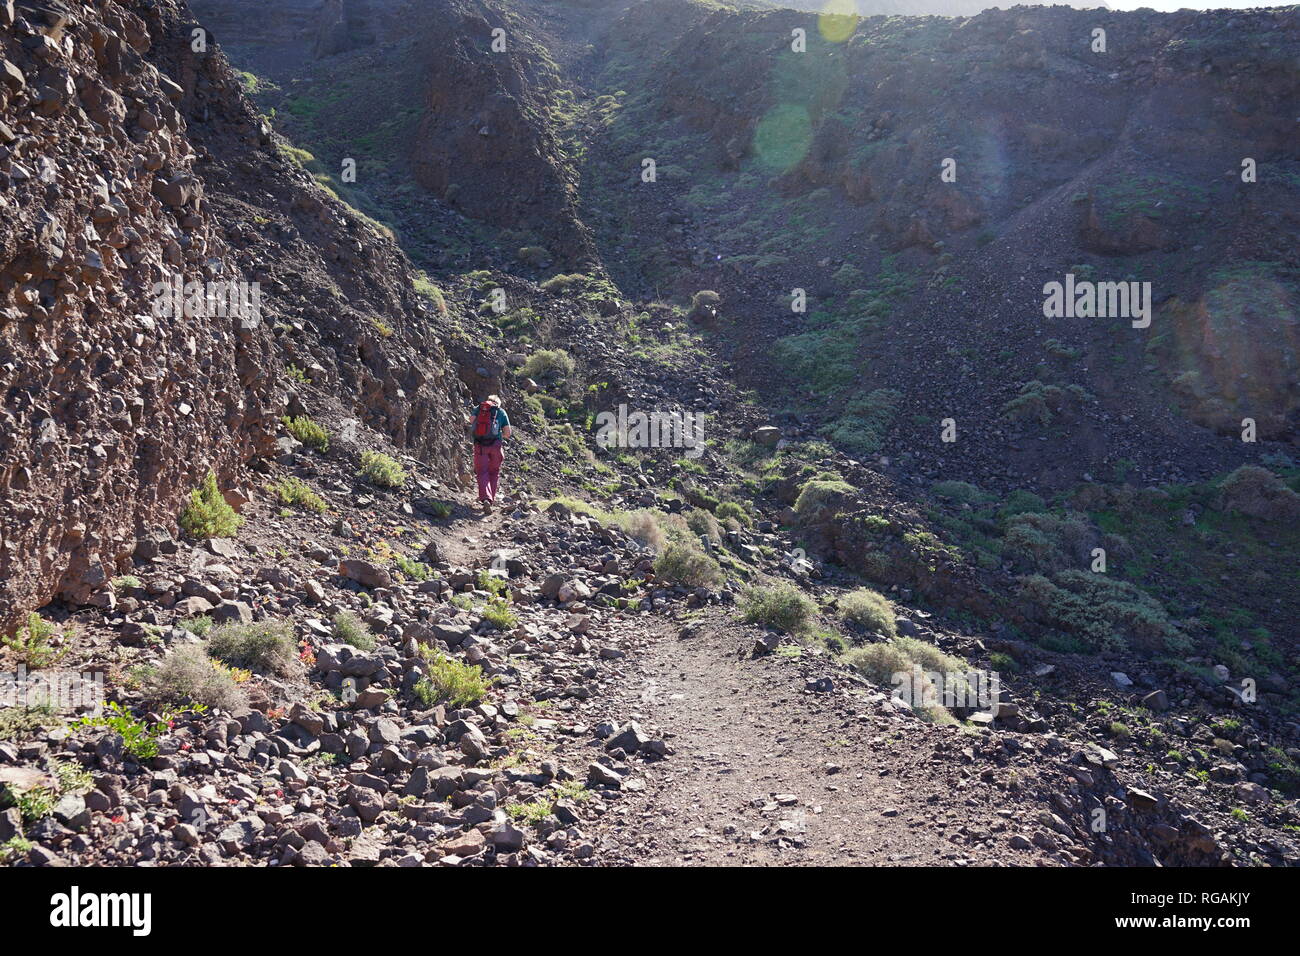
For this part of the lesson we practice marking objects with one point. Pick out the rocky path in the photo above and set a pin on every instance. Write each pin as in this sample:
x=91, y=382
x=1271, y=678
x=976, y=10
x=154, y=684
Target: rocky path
x=768, y=772
x=765, y=770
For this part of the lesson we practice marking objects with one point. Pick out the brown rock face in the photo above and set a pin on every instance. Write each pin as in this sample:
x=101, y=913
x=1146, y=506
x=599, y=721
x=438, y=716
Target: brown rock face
x=112, y=403
x=485, y=126
x=133, y=165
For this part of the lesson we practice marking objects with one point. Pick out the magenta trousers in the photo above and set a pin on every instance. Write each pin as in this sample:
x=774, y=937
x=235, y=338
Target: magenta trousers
x=487, y=466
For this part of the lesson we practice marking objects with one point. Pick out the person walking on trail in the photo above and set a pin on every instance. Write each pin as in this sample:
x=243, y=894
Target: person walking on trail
x=491, y=426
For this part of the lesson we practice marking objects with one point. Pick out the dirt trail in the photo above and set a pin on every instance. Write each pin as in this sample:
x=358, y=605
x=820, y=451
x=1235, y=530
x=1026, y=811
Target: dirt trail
x=752, y=780
x=765, y=771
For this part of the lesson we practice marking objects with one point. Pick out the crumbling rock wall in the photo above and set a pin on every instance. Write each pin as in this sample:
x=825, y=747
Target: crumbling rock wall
x=129, y=158
x=110, y=414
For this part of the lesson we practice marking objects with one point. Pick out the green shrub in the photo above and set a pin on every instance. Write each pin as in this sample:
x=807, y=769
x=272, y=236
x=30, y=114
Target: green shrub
x=30, y=644
x=292, y=491
x=379, y=469
x=959, y=491
x=207, y=515
x=350, y=629
x=880, y=662
x=681, y=564
x=818, y=495
x=1102, y=613
x=547, y=362
x=188, y=675
x=450, y=681
x=424, y=287
x=308, y=432
x=868, y=610
x=200, y=624
x=703, y=524
x=267, y=647
x=782, y=606
x=1042, y=403
x=730, y=509
x=126, y=583
x=1047, y=542
x=413, y=569
x=1257, y=492
x=497, y=613
x=139, y=739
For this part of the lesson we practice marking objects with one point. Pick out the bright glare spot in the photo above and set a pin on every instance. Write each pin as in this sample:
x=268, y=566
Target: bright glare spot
x=838, y=20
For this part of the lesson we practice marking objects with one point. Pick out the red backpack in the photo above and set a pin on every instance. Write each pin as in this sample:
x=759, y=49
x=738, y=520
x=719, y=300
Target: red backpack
x=487, y=429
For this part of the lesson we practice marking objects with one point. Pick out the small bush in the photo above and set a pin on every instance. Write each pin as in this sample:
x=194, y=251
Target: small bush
x=424, y=287
x=126, y=583
x=730, y=509
x=308, y=432
x=497, y=613
x=189, y=675
x=450, y=681
x=555, y=362
x=199, y=624
x=703, y=524
x=643, y=526
x=702, y=301
x=783, y=607
x=818, y=495
x=30, y=644
x=880, y=662
x=868, y=610
x=379, y=469
x=292, y=491
x=350, y=629
x=682, y=564
x=207, y=515
x=535, y=256
x=267, y=648
x=413, y=569
x=1257, y=492
x=140, y=739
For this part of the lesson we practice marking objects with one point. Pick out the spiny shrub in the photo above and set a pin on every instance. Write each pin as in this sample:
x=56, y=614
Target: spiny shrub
x=379, y=469
x=782, y=606
x=189, y=675
x=548, y=362
x=868, y=610
x=207, y=515
x=682, y=564
x=450, y=681
x=703, y=524
x=292, y=491
x=880, y=662
x=350, y=629
x=308, y=432
x=267, y=647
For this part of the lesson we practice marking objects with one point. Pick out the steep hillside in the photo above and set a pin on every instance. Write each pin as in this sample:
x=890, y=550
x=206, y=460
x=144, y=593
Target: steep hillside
x=131, y=160
x=783, y=619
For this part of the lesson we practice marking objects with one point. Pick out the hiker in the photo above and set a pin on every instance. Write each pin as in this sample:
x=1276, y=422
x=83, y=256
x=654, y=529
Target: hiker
x=491, y=425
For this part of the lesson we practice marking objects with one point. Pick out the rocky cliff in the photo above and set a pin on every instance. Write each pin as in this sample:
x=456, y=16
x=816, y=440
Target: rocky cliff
x=131, y=162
